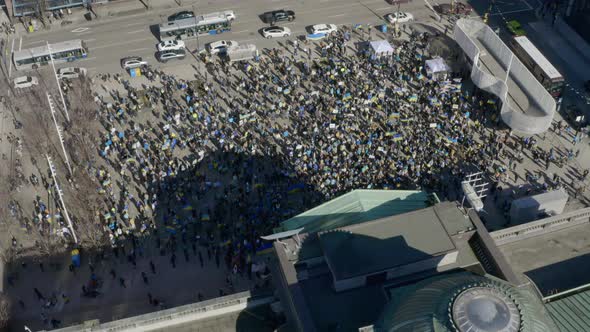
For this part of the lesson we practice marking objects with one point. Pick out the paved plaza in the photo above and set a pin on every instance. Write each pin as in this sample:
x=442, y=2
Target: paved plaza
x=185, y=167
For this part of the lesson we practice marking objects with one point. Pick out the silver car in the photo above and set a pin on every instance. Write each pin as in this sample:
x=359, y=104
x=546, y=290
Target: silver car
x=71, y=72
x=132, y=62
x=165, y=56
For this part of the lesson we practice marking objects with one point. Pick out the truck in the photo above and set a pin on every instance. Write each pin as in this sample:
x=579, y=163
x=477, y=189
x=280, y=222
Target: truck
x=241, y=53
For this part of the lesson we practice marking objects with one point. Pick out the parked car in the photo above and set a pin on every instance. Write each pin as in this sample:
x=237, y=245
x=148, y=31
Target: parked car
x=459, y=8
x=279, y=16
x=171, y=45
x=165, y=56
x=71, y=72
x=574, y=116
x=274, y=31
x=230, y=15
x=25, y=82
x=131, y=62
x=323, y=28
x=220, y=46
x=181, y=15
x=399, y=17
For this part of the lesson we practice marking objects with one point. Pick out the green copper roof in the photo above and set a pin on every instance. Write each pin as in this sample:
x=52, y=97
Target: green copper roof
x=463, y=301
x=572, y=313
x=355, y=207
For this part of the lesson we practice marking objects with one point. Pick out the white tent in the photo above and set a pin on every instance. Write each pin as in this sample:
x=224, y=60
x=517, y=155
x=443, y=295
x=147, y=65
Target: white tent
x=381, y=47
x=437, y=68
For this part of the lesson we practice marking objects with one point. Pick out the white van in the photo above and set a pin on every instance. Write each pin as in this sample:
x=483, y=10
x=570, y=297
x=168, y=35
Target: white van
x=25, y=82
x=241, y=52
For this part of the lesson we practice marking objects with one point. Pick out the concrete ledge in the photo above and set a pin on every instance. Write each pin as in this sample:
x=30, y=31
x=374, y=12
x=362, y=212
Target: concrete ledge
x=540, y=227
x=179, y=315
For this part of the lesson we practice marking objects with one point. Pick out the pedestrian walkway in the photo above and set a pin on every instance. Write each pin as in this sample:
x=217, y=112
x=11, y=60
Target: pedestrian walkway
x=62, y=289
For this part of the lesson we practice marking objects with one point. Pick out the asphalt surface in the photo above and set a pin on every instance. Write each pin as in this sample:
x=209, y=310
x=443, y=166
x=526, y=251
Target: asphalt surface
x=109, y=40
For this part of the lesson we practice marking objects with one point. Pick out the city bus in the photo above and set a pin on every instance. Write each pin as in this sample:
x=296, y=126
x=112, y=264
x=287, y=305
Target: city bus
x=32, y=58
x=208, y=24
x=539, y=66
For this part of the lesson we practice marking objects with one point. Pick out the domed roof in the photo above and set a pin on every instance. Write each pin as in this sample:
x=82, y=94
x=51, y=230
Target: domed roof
x=485, y=309
x=464, y=302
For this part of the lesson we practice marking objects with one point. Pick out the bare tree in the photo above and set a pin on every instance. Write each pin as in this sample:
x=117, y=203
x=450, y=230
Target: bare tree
x=5, y=305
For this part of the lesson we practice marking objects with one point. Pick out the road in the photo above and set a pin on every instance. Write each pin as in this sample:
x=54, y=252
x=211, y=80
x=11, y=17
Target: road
x=109, y=40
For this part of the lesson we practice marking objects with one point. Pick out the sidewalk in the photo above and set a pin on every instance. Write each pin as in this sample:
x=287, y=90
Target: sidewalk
x=105, y=11
x=173, y=286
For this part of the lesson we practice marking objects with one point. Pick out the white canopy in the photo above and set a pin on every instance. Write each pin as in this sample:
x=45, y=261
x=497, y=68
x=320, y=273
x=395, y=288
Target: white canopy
x=437, y=65
x=381, y=47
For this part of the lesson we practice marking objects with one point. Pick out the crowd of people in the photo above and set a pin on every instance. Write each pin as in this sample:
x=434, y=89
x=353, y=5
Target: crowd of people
x=221, y=159
x=247, y=145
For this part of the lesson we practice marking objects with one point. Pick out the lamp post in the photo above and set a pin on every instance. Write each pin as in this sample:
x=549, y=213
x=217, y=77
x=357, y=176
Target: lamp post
x=63, y=101
x=61, y=199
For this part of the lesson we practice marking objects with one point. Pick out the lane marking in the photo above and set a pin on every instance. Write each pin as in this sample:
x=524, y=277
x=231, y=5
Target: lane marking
x=91, y=39
x=84, y=33
x=511, y=12
x=20, y=44
x=241, y=31
x=383, y=8
x=78, y=30
x=132, y=24
x=526, y=3
x=122, y=43
x=337, y=15
x=87, y=59
x=138, y=49
x=136, y=31
x=11, y=51
x=36, y=42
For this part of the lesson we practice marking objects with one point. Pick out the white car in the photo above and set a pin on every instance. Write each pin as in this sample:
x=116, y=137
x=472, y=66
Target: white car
x=132, y=62
x=230, y=15
x=71, y=72
x=220, y=46
x=274, y=31
x=169, y=45
x=25, y=82
x=399, y=17
x=324, y=28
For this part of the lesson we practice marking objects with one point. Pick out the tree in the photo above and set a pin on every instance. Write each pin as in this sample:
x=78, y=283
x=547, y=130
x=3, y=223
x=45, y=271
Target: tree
x=5, y=305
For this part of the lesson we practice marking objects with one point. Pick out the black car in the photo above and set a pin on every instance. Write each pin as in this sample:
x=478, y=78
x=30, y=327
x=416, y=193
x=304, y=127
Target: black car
x=278, y=16
x=574, y=116
x=181, y=15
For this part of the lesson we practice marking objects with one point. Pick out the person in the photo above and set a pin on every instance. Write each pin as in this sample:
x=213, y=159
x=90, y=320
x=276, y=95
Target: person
x=153, y=267
x=38, y=294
